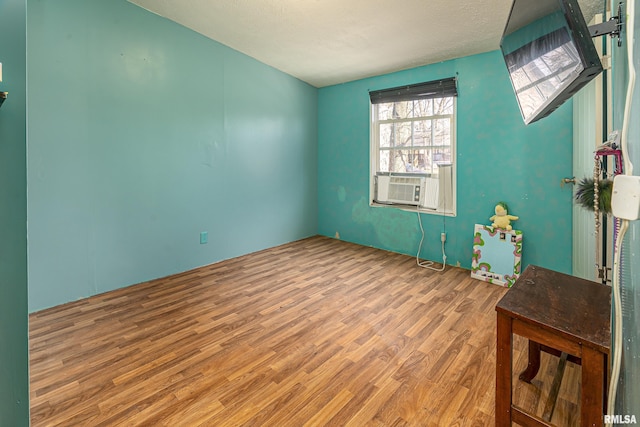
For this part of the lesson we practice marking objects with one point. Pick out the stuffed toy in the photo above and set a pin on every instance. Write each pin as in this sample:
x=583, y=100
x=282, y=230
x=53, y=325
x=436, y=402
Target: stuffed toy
x=502, y=219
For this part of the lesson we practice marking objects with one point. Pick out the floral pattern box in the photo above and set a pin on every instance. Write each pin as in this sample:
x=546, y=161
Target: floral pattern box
x=497, y=255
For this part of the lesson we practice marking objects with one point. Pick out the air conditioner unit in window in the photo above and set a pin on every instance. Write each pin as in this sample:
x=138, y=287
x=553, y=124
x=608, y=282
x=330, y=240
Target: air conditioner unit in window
x=407, y=190
x=427, y=192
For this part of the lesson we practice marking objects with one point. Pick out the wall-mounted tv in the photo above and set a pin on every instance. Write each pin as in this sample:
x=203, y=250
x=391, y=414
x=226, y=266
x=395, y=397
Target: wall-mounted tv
x=549, y=54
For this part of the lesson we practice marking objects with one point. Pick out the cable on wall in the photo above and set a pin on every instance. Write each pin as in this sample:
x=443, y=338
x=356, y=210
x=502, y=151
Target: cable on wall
x=429, y=264
x=628, y=170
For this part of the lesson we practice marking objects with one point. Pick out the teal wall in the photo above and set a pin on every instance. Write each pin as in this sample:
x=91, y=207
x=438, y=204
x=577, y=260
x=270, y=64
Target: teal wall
x=14, y=356
x=628, y=397
x=142, y=134
x=499, y=158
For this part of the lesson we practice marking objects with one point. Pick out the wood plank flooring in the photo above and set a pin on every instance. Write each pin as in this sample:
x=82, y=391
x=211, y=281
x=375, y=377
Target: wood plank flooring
x=315, y=332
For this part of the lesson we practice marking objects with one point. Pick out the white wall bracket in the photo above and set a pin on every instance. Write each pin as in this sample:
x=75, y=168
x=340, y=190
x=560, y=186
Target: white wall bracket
x=625, y=200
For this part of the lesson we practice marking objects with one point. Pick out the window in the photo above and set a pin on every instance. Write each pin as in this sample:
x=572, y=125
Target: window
x=413, y=135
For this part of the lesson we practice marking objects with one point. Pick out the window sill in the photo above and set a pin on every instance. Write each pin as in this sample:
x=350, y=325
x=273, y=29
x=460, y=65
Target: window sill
x=411, y=208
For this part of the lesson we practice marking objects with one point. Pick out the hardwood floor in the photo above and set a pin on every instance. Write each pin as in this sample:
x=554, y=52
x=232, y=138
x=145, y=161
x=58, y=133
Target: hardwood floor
x=315, y=332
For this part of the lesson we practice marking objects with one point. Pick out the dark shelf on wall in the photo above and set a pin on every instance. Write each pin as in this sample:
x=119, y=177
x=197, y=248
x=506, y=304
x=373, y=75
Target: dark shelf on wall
x=3, y=96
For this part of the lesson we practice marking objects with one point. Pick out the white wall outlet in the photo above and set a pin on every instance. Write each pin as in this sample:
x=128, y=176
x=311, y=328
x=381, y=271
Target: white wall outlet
x=625, y=200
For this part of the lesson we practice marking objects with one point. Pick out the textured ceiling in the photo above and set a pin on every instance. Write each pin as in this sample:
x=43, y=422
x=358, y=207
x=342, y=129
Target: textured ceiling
x=326, y=42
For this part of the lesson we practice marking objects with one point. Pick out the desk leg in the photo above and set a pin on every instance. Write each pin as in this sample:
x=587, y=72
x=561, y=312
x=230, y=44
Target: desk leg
x=534, y=363
x=593, y=378
x=503, y=370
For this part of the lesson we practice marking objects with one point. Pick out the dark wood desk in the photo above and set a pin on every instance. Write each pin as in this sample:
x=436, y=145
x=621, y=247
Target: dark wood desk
x=560, y=312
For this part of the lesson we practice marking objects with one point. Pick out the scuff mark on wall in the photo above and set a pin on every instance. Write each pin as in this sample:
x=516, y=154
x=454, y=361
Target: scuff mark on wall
x=212, y=151
x=393, y=227
x=207, y=150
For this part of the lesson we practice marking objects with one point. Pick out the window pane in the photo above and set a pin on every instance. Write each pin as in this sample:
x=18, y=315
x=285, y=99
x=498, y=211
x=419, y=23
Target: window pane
x=395, y=135
x=395, y=110
x=442, y=132
x=419, y=161
x=399, y=161
x=402, y=134
x=402, y=110
x=385, y=111
x=441, y=156
x=411, y=161
x=384, y=160
x=386, y=135
x=443, y=106
x=422, y=133
x=423, y=108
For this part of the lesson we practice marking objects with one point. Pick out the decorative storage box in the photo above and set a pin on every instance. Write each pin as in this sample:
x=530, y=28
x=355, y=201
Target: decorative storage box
x=497, y=255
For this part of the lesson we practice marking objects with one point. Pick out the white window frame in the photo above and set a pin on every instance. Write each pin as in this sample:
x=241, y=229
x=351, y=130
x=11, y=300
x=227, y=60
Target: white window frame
x=447, y=204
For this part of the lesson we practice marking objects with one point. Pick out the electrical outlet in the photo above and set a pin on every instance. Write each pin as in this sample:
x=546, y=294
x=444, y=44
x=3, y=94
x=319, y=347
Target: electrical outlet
x=443, y=237
x=204, y=237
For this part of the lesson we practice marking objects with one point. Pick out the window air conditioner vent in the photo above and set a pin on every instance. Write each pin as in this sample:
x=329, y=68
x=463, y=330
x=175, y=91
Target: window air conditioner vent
x=400, y=189
x=429, y=192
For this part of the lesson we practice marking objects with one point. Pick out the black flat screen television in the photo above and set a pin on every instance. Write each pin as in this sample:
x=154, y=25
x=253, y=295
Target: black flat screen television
x=549, y=54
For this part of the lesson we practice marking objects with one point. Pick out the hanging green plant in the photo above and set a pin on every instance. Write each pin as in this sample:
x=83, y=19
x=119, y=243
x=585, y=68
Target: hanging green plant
x=585, y=194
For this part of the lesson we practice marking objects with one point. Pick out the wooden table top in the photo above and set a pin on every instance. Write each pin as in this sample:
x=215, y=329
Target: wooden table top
x=577, y=309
